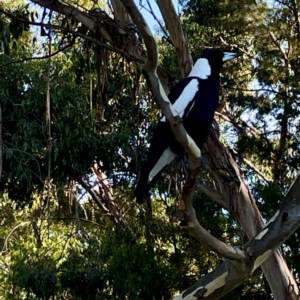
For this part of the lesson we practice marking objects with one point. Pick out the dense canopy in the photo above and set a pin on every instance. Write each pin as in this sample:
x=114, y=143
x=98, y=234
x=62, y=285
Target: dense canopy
x=79, y=102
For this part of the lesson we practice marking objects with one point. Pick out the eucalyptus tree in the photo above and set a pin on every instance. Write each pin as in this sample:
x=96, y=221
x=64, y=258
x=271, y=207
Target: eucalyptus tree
x=72, y=30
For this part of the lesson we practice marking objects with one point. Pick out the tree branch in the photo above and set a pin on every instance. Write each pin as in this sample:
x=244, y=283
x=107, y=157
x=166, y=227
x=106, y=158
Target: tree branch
x=214, y=195
x=277, y=44
x=106, y=194
x=283, y=138
x=74, y=13
x=35, y=58
x=219, y=281
x=150, y=10
x=75, y=33
x=158, y=92
x=177, y=35
x=92, y=193
x=73, y=218
x=251, y=166
x=231, y=273
x=5, y=244
x=243, y=208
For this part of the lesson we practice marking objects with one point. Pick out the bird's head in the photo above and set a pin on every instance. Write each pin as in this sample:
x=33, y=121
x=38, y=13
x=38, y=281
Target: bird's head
x=210, y=63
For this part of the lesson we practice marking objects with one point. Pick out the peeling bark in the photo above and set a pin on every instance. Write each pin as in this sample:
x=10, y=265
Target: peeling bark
x=102, y=195
x=231, y=273
x=106, y=195
x=224, y=171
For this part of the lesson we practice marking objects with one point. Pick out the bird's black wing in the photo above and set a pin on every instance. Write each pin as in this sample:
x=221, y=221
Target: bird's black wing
x=163, y=138
x=185, y=97
x=177, y=90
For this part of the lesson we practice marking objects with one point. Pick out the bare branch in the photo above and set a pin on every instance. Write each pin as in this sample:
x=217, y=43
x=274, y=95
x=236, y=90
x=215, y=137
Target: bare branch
x=150, y=10
x=48, y=108
x=243, y=208
x=259, y=173
x=277, y=169
x=194, y=227
x=90, y=190
x=238, y=126
x=277, y=44
x=194, y=153
x=5, y=246
x=251, y=166
x=285, y=4
x=35, y=58
x=107, y=196
x=73, y=218
x=156, y=87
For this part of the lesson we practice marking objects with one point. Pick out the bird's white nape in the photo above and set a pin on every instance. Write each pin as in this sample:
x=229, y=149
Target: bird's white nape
x=164, y=160
x=201, y=69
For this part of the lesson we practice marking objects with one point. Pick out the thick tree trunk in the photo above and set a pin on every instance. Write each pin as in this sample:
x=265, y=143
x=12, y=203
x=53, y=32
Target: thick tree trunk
x=239, y=201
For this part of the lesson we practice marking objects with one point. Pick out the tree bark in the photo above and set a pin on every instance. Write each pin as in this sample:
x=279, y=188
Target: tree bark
x=232, y=272
x=241, y=204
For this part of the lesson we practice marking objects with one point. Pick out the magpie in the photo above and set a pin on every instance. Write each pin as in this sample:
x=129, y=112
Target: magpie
x=195, y=99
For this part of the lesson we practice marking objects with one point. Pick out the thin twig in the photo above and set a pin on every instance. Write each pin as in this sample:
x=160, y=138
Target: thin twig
x=35, y=58
x=262, y=175
x=5, y=248
x=48, y=104
x=150, y=10
x=74, y=218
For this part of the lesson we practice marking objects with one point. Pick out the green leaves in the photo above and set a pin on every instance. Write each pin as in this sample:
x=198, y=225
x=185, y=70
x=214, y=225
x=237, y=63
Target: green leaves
x=36, y=278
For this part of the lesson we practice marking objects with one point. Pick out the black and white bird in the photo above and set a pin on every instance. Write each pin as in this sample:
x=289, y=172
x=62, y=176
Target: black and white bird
x=195, y=99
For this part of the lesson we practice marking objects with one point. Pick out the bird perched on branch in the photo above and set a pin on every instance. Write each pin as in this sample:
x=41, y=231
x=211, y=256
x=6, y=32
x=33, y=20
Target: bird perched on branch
x=195, y=99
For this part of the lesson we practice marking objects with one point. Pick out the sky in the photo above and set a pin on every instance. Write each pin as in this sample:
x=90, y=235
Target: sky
x=149, y=18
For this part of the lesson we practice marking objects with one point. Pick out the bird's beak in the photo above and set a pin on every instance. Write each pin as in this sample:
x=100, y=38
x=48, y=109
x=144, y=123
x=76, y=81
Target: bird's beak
x=229, y=55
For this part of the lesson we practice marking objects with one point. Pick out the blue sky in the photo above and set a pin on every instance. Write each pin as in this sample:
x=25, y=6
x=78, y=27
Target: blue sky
x=149, y=18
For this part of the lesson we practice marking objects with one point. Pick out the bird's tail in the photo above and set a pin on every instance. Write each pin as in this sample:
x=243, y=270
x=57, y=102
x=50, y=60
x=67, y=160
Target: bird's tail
x=151, y=171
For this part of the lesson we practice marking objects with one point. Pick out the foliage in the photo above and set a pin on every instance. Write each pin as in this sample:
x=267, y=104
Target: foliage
x=101, y=110
x=79, y=260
